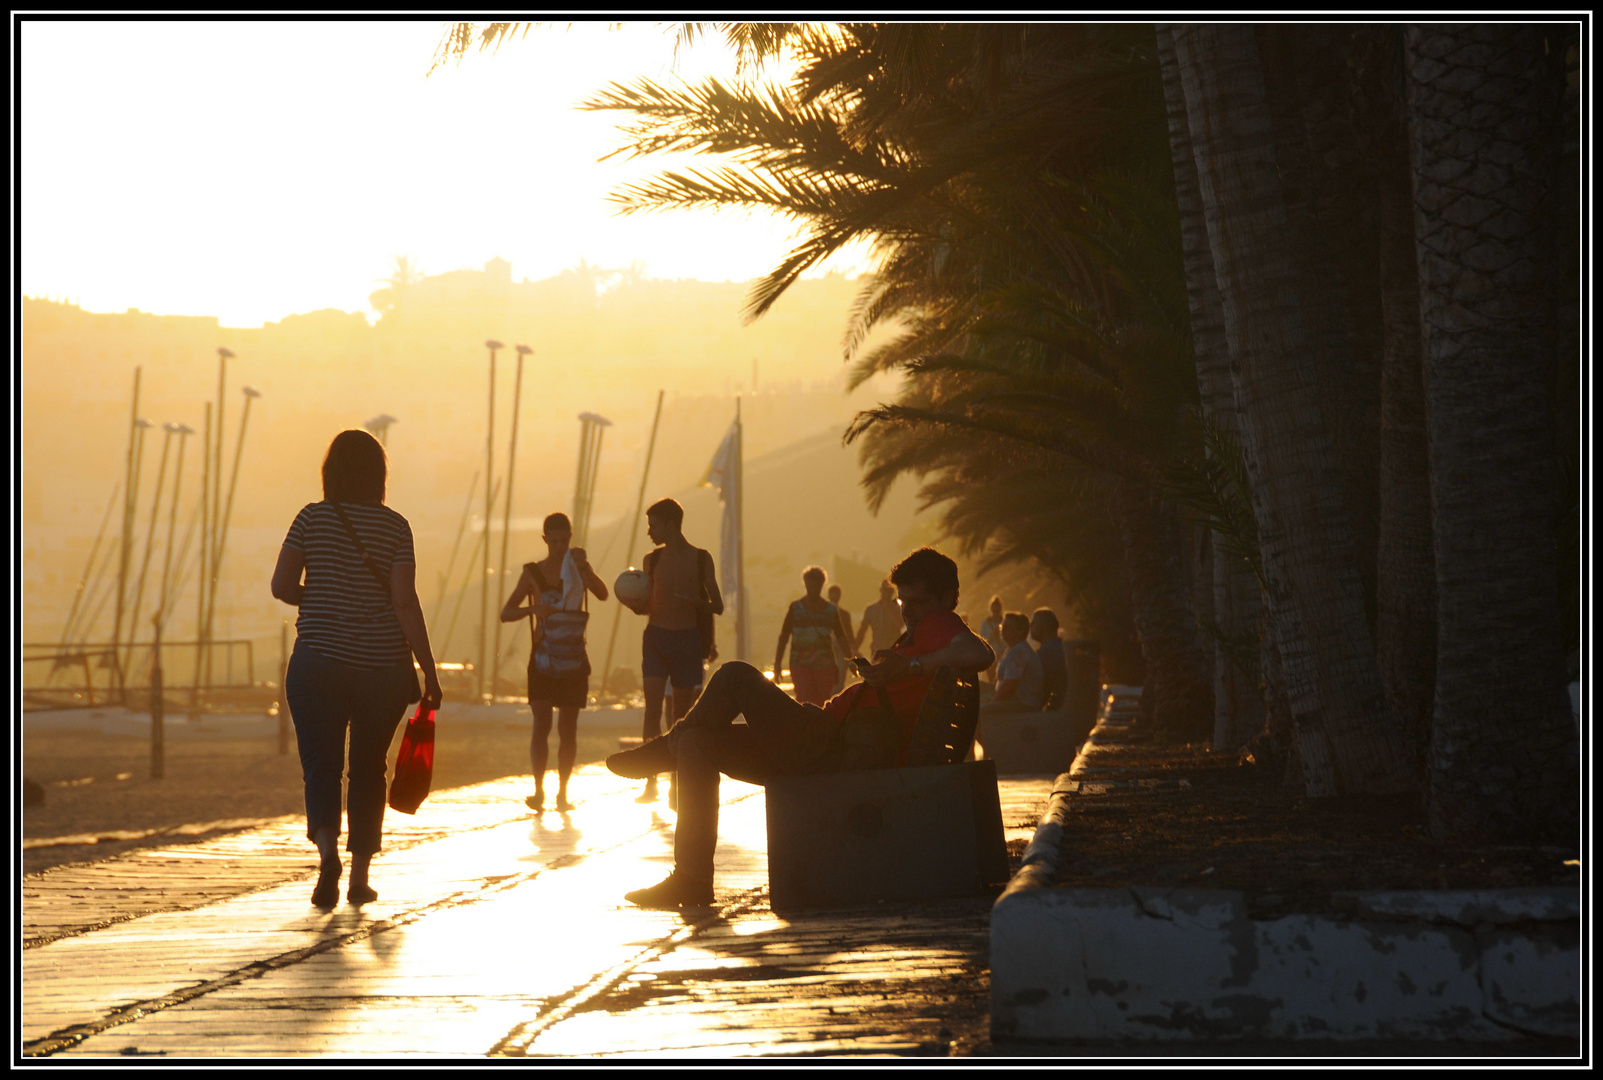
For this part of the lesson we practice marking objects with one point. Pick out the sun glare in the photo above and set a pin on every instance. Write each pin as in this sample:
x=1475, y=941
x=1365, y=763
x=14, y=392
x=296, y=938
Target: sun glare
x=252, y=170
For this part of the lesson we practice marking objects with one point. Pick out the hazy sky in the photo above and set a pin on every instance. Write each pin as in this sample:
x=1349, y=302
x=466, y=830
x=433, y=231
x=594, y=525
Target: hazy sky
x=251, y=170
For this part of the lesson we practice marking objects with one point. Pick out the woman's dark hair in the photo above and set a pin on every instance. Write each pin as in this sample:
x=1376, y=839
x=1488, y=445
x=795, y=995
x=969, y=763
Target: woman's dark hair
x=667, y=510
x=559, y=520
x=931, y=569
x=354, y=470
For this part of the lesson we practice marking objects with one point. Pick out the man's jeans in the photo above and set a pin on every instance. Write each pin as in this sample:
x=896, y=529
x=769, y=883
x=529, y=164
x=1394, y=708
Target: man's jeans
x=325, y=697
x=780, y=736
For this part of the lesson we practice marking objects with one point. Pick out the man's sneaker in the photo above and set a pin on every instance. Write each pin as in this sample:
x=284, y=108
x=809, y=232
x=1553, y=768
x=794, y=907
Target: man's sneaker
x=671, y=892
x=647, y=759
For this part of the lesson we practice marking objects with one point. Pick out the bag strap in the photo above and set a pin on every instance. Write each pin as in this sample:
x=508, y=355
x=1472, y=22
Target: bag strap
x=539, y=579
x=372, y=563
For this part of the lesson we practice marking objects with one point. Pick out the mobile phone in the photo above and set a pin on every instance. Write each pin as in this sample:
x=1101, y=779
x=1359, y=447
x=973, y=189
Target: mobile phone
x=861, y=665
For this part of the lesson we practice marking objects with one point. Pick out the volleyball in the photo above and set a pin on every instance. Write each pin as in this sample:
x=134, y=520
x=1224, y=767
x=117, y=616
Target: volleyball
x=633, y=587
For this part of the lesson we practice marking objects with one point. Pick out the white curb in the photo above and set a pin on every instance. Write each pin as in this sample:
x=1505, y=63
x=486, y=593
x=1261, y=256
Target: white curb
x=1143, y=964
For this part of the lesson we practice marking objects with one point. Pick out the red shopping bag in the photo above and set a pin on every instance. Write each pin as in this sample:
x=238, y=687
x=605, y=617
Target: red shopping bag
x=414, y=763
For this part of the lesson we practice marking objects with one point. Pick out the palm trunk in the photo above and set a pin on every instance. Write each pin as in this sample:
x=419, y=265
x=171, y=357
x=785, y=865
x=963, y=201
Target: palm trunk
x=1405, y=631
x=1177, y=674
x=1307, y=95
x=1503, y=754
x=1234, y=609
x=1313, y=590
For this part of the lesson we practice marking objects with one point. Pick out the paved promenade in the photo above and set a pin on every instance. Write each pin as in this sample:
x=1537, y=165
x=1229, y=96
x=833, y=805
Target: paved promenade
x=496, y=932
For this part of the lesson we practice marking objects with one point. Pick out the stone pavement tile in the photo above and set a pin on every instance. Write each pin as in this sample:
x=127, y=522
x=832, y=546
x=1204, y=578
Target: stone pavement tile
x=188, y=948
x=763, y=985
x=459, y=979
x=513, y=938
x=75, y=898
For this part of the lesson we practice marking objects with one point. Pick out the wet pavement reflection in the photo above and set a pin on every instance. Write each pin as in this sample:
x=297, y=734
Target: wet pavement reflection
x=508, y=935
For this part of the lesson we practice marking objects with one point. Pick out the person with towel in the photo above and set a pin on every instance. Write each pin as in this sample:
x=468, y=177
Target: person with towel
x=559, y=669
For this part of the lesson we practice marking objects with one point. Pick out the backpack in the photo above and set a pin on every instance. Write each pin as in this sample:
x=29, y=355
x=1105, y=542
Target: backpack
x=705, y=625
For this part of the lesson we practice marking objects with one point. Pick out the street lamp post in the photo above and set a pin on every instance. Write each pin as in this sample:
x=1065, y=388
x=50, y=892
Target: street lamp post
x=379, y=428
x=125, y=531
x=164, y=600
x=591, y=428
x=205, y=542
x=210, y=527
x=137, y=461
x=251, y=394
x=150, y=540
x=223, y=356
x=506, y=519
x=489, y=467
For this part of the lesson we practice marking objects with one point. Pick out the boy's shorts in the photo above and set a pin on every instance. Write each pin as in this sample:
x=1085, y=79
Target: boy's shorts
x=672, y=654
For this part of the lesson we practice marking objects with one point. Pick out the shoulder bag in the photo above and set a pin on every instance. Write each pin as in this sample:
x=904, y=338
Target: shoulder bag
x=704, y=617
x=561, y=650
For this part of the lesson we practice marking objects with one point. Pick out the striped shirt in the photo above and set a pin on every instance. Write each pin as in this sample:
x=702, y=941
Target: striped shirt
x=345, y=615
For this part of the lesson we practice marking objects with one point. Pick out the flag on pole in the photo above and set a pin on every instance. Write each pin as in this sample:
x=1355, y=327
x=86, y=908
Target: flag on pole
x=724, y=473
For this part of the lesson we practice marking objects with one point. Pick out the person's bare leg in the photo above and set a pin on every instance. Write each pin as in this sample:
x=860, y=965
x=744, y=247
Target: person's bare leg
x=651, y=724
x=567, y=752
x=539, y=752
x=359, y=891
x=327, y=891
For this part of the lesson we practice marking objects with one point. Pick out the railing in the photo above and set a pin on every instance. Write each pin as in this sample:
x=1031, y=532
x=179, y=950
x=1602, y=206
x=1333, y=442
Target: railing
x=77, y=676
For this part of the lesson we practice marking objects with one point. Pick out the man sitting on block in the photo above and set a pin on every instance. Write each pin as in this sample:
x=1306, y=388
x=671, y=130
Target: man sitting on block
x=782, y=736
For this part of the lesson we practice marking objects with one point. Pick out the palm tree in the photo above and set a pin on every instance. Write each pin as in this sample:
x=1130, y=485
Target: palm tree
x=1405, y=604
x=1314, y=593
x=1030, y=258
x=1484, y=103
x=404, y=274
x=1237, y=608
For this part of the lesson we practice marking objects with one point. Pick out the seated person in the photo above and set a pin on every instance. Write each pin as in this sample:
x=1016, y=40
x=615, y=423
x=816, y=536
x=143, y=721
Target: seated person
x=1018, y=673
x=1049, y=650
x=782, y=736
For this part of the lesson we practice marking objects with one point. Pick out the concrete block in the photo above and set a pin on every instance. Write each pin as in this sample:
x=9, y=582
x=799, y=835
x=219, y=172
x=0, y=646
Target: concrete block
x=1032, y=743
x=840, y=839
x=1185, y=964
x=1531, y=977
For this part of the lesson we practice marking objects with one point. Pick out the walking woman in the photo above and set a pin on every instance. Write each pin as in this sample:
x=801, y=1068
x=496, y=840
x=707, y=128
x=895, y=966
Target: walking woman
x=360, y=626
x=559, y=669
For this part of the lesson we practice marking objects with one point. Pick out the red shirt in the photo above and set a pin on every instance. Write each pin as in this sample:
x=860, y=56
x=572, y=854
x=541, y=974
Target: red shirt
x=933, y=633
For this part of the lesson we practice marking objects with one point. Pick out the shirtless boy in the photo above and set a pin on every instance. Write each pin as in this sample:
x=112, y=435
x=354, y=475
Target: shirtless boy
x=671, y=647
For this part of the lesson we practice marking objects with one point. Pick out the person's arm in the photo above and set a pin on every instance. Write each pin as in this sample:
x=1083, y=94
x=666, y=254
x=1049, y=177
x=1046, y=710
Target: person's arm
x=1005, y=688
x=965, y=652
x=710, y=580
x=403, y=594
x=779, y=650
x=862, y=632
x=287, y=576
x=591, y=581
x=514, y=610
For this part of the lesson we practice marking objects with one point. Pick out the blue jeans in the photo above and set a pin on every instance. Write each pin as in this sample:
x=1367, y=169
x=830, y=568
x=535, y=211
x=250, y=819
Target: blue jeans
x=325, y=698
